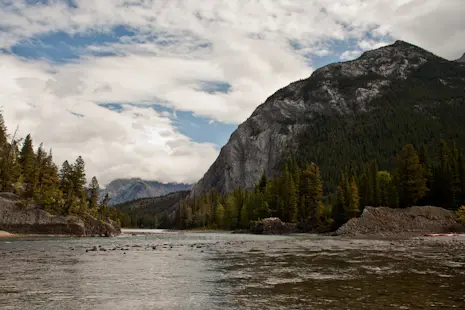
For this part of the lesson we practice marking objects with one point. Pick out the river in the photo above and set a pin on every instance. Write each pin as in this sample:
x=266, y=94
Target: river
x=186, y=270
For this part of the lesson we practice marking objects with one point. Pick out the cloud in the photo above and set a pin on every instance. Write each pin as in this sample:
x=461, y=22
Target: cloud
x=66, y=65
x=129, y=141
x=350, y=55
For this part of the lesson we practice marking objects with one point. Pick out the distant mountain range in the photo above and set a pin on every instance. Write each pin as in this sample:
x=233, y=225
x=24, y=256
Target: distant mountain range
x=123, y=190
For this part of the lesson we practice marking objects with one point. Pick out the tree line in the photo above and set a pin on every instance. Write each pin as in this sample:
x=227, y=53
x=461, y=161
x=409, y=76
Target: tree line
x=297, y=194
x=33, y=176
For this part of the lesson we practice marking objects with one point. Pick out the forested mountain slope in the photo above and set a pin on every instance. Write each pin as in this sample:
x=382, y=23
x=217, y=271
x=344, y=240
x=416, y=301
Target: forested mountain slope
x=345, y=114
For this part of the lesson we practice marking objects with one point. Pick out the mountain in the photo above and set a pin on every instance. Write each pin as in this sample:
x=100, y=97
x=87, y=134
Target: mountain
x=462, y=59
x=346, y=114
x=122, y=190
x=141, y=212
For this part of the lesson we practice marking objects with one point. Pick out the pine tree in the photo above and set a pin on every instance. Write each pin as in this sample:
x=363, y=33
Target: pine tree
x=27, y=162
x=263, y=182
x=67, y=187
x=461, y=167
x=410, y=177
x=49, y=194
x=219, y=215
x=374, y=184
x=442, y=189
x=230, y=212
x=79, y=175
x=384, y=181
x=316, y=194
x=354, y=203
x=94, y=190
x=3, y=132
x=244, y=223
x=341, y=206
x=291, y=200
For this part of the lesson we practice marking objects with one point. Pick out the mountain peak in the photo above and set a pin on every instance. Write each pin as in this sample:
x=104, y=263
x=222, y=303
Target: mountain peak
x=320, y=113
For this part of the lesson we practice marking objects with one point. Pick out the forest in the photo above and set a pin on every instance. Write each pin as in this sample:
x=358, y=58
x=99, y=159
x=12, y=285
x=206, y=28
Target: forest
x=298, y=194
x=32, y=175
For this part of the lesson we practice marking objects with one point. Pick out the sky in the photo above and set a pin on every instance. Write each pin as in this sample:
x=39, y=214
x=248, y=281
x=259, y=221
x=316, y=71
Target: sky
x=153, y=89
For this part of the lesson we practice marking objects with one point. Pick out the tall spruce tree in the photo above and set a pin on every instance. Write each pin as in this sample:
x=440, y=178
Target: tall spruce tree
x=27, y=161
x=410, y=177
x=340, y=208
x=316, y=194
x=94, y=190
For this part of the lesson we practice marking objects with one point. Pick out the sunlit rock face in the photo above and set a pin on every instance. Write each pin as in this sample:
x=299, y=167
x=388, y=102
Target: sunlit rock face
x=337, y=89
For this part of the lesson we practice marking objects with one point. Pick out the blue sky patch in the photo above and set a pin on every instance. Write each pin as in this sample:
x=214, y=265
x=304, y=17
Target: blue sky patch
x=213, y=87
x=62, y=47
x=199, y=129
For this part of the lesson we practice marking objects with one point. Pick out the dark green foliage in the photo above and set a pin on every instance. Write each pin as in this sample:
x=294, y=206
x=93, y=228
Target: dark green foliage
x=34, y=177
x=419, y=110
x=410, y=177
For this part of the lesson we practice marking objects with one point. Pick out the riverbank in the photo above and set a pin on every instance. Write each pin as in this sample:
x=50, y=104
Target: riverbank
x=23, y=220
x=5, y=234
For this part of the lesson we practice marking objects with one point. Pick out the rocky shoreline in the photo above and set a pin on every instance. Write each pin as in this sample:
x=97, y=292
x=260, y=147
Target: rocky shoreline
x=20, y=220
x=378, y=223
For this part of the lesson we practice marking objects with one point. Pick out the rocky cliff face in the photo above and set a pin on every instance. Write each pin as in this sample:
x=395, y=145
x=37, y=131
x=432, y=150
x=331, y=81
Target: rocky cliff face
x=336, y=90
x=414, y=221
x=19, y=219
x=123, y=190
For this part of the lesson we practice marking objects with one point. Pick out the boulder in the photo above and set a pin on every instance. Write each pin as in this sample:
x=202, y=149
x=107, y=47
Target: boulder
x=15, y=218
x=272, y=226
x=413, y=221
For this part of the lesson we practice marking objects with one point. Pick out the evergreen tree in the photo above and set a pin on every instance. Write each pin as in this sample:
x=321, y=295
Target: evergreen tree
x=79, y=175
x=341, y=206
x=219, y=215
x=263, y=182
x=3, y=132
x=316, y=194
x=27, y=162
x=230, y=212
x=49, y=195
x=354, y=203
x=94, y=190
x=374, y=184
x=244, y=223
x=410, y=177
x=385, y=188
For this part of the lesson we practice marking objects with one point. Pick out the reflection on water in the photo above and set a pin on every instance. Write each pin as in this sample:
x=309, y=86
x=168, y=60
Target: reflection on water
x=225, y=271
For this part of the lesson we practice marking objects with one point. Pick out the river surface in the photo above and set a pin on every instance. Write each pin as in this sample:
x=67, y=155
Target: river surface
x=181, y=270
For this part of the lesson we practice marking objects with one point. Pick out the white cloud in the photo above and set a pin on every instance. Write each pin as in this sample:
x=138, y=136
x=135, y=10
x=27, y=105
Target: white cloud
x=350, y=55
x=138, y=142
x=178, y=46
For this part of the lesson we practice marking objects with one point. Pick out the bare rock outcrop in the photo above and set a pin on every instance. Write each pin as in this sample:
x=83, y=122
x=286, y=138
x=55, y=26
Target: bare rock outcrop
x=413, y=221
x=272, y=226
x=271, y=132
x=15, y=218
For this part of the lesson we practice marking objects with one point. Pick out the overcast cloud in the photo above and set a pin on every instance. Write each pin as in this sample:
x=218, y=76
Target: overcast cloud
x=104, y=79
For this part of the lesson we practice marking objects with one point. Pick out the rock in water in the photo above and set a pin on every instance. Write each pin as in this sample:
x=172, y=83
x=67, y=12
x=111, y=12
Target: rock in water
x=388, y=222
x=272, y=226
x=328, y=112
x=19, y=219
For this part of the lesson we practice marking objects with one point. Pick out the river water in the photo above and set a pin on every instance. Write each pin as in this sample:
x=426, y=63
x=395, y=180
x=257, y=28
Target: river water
x=177, y=270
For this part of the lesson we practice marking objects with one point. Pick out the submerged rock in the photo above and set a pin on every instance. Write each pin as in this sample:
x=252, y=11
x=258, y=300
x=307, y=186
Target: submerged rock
x=272, y=226
x=413, y=221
